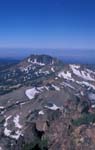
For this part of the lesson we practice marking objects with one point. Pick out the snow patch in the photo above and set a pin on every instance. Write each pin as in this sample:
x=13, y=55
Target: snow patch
x=75, y=70
x=1, y=107
x=29, y=60
x=16, y=121
x=6, y=121
x=16, y=135
x=90, y=71
x=22, y=103
x=40, y=89
x=93, y=106
x=7, y=132
x=54, y=107
x=41, y=112
x=84, y=83
x=56, y=87
x=66, y=75
x=36, y=62
x=68, y=85
x=1, y=148
x=87, y=76
x=52, y=69
x=82, y=93
x=56, y=78
x=30, y=93
x=81, y=73
x=47, y=88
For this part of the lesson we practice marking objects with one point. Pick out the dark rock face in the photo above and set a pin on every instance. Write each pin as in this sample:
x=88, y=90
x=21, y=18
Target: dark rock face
x=31, y=70
x=84, y=107
x=47, y=105
x=44, y=59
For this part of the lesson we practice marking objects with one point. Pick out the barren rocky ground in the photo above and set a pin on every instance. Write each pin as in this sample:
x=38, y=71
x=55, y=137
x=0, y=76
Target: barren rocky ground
x=47, y=105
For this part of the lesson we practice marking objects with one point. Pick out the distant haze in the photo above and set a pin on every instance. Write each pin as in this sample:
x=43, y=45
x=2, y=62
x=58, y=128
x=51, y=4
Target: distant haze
x=67, y=55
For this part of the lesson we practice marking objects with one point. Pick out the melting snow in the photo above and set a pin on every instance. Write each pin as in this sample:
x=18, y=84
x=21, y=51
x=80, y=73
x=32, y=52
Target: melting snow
x=90, y=71
x=30, y=93
x=47, y=88
x=16, y=121
x=44, y=72
x=1, y=148
x=83, y=74
x=23, y=103
x=87, y=76
x=86, y=84
x=82, y=93
x=75, y=66
x=17, y=135
x=7, y=132
x=75, y=70
x=56, y=87
x=36, y=62
x=52, y=69
x=54, y=107
x=6, y=121
x=66, y=75
x=40, y=88
x=41, y=112
x=67, y=85
x=1, y=107
x=93, y=106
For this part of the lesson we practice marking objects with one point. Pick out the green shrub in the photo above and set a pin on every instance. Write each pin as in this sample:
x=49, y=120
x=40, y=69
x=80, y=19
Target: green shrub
x=37, y=145
x=85, y=119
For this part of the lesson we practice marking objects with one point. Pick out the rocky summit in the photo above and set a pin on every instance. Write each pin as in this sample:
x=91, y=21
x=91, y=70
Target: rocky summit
x=47, y=105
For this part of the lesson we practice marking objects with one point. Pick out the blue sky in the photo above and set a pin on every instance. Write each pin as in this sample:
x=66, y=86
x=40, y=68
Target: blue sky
x=47, y=24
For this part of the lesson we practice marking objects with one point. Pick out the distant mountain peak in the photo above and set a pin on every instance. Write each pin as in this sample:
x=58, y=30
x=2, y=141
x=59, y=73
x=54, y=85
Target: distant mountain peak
x=40, y=60
x=40, y=96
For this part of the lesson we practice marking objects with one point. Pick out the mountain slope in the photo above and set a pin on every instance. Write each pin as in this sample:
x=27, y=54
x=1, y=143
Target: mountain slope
x=43, y=98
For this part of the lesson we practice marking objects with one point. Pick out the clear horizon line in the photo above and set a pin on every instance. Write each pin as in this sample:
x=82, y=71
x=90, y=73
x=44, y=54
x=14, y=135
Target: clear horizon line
x=31, y=48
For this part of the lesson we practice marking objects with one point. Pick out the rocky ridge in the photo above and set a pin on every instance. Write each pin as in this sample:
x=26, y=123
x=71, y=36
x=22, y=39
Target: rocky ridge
x=43, y=98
